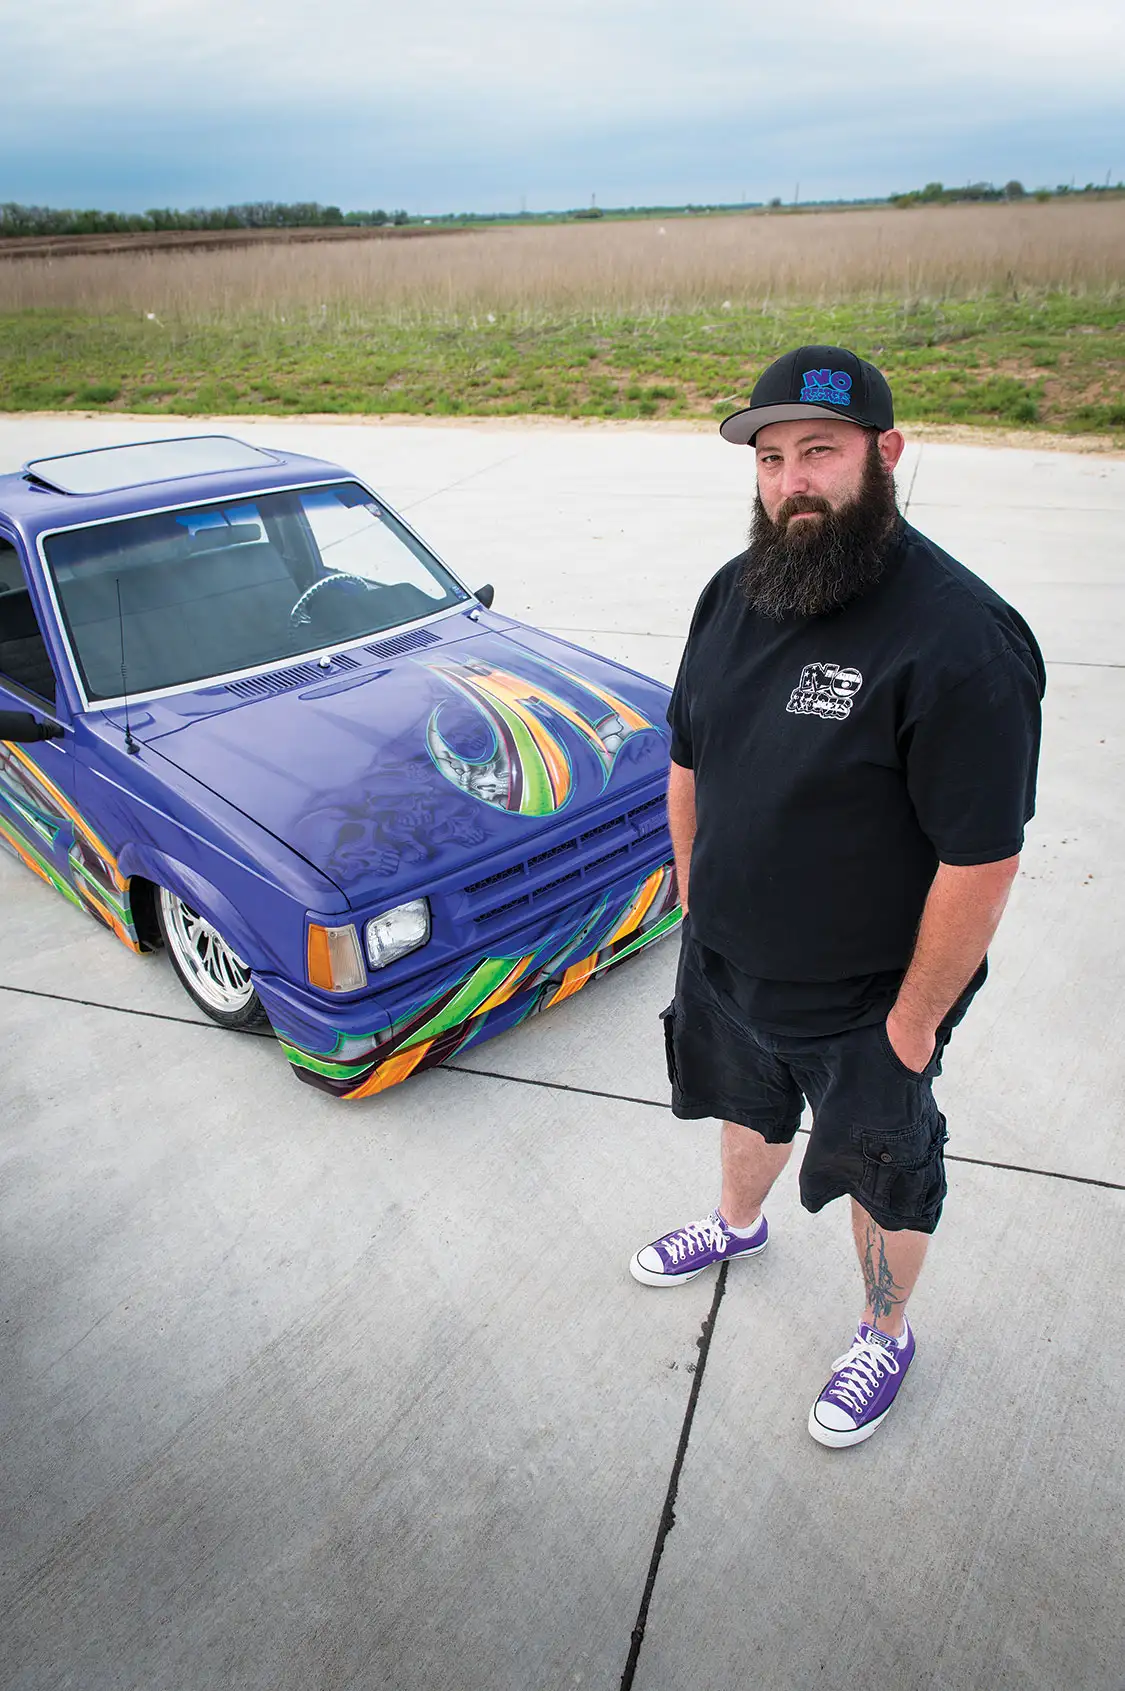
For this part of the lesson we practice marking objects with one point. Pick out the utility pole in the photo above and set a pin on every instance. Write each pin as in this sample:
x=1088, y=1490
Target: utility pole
x=797, y=194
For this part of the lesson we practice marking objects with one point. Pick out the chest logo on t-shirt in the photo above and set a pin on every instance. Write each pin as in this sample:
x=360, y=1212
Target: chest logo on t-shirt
x=825, y=689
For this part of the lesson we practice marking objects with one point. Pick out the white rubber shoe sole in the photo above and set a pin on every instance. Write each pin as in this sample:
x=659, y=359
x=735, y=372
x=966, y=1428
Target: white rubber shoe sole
x=840, y=1440
x=651, y=1277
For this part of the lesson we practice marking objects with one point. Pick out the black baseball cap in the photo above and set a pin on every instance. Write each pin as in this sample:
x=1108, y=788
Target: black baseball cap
x=814, y=381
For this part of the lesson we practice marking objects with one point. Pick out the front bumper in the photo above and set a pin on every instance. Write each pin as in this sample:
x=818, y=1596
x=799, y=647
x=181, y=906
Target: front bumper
x=478, y=999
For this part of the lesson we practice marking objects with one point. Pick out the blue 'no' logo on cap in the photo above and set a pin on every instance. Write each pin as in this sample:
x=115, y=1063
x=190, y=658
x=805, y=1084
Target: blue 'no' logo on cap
x=826, y=387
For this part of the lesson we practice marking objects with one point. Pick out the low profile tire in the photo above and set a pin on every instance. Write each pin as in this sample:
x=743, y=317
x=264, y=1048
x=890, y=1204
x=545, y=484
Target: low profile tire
x=210, y=972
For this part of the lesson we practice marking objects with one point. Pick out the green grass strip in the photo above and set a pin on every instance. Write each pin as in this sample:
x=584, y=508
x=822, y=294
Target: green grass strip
x=1017, y=360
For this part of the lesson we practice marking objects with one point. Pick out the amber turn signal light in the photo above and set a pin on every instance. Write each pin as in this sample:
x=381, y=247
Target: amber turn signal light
x=335, y=962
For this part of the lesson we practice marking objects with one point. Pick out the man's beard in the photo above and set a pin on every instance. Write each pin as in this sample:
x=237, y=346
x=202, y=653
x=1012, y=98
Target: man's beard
x=817, y=565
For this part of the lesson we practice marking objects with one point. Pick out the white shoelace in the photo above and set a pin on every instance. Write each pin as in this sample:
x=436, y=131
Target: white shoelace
x=697, y=1236
x=860, y=1370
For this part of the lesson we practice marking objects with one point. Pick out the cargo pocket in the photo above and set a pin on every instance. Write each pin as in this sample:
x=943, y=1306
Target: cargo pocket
x=903, y=1174
x=668, y=1017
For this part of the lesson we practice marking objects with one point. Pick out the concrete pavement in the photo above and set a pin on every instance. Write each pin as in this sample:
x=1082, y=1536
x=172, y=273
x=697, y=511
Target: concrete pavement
x=307, y=1395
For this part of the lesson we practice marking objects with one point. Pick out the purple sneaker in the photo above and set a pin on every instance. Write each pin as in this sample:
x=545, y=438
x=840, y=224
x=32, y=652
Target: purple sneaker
x=681, y=1255
x=864, y=1383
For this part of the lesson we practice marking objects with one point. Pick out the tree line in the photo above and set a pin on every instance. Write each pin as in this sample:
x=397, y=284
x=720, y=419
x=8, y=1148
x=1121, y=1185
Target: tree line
x=309, y=214
x=936, y=193
x=261, y=214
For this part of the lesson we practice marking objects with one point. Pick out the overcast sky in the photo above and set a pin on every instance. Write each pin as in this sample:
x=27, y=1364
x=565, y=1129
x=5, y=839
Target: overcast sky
x=444, y=105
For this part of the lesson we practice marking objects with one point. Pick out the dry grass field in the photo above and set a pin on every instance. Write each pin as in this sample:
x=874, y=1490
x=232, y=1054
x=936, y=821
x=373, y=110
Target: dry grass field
x=992, y=313
x=631, y=267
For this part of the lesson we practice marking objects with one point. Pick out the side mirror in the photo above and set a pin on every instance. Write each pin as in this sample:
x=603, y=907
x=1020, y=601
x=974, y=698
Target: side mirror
x=21, y=726
x=486, y=594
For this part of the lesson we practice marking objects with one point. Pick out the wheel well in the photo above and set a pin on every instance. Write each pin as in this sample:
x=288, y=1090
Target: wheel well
x=142, y=901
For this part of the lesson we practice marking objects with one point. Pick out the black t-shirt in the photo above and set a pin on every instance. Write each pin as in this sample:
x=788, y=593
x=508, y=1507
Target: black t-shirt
x=837, y=760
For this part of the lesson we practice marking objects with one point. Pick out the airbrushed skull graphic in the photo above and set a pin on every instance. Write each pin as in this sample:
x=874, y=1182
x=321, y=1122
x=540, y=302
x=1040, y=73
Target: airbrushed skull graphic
x=510, y=753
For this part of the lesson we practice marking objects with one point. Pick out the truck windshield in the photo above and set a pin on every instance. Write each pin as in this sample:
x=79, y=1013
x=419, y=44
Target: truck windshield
x=218, y=588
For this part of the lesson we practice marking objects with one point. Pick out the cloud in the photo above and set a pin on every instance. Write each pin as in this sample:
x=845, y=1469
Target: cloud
x=444, y=105
x=560, y=56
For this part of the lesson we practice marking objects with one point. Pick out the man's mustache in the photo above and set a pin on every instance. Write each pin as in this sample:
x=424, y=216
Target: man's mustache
x=798, y=505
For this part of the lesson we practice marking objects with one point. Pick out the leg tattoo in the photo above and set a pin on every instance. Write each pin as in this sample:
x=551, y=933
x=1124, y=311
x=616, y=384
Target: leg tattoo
x=880, y=1284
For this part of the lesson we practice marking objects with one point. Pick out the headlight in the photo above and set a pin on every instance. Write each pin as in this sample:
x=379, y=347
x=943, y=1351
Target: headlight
x=392, y=935
x=335, y=962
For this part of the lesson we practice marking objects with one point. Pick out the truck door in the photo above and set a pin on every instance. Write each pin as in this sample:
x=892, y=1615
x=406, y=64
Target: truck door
x=38, y=820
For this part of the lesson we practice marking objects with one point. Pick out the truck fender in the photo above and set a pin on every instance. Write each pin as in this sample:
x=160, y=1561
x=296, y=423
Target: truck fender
x=194, y=889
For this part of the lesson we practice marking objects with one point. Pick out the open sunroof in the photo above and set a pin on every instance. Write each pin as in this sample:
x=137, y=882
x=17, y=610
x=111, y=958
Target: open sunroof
x=107, y=469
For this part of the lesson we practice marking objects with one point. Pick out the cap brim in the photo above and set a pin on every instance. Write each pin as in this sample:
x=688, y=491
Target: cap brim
x=741, y=428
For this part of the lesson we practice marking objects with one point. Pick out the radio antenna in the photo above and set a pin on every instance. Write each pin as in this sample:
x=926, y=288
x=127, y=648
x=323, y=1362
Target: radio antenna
x=131, y=745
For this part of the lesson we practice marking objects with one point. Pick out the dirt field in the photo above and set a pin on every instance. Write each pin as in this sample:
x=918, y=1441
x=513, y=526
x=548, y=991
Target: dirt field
x=183, y=240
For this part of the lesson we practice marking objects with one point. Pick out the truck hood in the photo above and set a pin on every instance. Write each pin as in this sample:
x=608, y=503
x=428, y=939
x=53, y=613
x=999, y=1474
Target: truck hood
x=400, y=773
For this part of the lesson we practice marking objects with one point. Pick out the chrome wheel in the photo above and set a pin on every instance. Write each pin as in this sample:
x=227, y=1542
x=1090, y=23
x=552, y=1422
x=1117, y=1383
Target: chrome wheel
x=214, y=974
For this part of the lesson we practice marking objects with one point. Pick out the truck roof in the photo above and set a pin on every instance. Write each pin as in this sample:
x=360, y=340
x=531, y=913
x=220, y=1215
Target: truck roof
x=122, y=481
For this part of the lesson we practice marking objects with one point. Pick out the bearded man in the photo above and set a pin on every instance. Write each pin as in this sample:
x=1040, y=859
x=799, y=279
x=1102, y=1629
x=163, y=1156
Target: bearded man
x=855, y=740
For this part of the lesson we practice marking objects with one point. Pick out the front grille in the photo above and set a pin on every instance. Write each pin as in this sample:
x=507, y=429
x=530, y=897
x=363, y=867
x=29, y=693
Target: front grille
x=491, y=880
x=559, y=881
x=555, y=851
x=647, y=818
x=512, y=904
x=602, y=828
x=601, y=845
x=658, y=803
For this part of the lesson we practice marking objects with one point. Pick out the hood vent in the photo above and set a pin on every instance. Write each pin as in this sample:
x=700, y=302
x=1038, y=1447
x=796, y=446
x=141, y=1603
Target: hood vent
x=400, y=643
x=284, y=680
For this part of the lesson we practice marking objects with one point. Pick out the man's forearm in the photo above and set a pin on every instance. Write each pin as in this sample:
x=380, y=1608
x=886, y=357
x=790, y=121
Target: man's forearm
x=962, y=912
x=681, y=823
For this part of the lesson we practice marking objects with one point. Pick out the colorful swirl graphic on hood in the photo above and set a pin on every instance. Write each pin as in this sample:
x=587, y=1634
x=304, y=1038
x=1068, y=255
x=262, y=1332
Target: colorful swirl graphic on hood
x=528, y=770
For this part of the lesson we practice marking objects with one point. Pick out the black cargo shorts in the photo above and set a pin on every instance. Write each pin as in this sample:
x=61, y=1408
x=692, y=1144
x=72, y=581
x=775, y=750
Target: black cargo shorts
x=877, y=1133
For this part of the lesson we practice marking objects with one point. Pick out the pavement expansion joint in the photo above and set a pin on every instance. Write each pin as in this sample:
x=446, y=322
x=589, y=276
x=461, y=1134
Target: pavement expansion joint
x=658, y=1104
x=524, y=1080
x=1079, y=663
x=559, y=1086
x=668, y=1513
x=460, y=482
x=913, y=479
x=129, y=1010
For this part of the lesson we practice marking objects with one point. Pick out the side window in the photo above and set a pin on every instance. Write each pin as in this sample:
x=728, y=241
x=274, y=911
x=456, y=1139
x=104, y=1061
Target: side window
x=24, y=661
